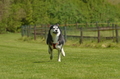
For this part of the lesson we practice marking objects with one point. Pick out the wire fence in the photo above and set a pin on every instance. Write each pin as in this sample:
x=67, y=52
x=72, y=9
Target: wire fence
x=82, y=32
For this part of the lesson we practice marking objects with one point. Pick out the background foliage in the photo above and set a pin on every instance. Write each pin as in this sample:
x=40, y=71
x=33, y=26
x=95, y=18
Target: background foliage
x=14, y=13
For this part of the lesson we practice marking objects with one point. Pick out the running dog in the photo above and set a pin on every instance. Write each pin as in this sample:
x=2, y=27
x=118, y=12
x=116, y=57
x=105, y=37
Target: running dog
x=55, y=40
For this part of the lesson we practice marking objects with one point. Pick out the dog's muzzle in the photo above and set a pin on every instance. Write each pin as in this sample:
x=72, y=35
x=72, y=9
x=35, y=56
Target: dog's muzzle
x=55, y=32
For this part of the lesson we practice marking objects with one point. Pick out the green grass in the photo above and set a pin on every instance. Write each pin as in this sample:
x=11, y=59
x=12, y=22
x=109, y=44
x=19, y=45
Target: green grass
x=30, y=60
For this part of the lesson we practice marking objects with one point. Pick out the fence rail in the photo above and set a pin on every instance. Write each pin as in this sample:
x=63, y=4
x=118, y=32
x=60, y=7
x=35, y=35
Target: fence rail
x=80, y=31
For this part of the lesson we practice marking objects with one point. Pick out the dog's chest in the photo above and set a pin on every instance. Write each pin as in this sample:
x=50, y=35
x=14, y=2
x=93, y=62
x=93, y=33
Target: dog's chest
x=55, y=41
x=55, y=38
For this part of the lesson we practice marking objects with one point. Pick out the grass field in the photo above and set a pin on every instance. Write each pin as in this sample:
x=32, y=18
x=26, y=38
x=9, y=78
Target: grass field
x=30, y=60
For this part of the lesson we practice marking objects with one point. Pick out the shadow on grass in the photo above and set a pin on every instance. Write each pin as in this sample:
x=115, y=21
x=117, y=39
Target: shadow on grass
x=41, y=61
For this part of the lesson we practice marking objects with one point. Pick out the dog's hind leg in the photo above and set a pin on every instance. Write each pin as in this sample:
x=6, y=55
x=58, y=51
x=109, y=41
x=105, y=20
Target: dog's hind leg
x=62, y=51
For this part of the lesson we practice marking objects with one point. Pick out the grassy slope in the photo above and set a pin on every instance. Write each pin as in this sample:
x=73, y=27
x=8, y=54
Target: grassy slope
x=23, y=60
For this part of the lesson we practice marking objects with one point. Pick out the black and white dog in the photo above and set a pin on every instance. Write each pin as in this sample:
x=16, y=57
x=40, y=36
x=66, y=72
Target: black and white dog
x=55, y=40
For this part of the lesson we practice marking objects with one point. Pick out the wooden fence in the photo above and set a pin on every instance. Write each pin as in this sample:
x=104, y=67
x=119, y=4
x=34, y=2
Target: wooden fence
x=96, y=31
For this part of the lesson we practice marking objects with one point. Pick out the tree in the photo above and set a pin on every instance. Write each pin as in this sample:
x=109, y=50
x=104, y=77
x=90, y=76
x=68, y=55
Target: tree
x=14, y=13
x=40, y=15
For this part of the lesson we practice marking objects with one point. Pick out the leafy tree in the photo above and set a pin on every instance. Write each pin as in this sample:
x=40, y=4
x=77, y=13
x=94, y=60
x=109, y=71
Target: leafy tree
x=40, y=12
x=14, y=13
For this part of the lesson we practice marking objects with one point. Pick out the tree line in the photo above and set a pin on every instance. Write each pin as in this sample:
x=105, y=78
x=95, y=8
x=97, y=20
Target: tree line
x=15, y=13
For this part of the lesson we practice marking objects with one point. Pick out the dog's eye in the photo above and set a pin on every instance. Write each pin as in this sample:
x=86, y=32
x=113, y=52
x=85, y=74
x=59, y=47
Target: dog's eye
x=55, y=27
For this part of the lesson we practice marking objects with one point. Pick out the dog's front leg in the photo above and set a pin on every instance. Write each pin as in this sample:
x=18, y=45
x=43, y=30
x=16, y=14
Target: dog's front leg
x=49, y=49
x=50, y=52
x=59, y=55
x=51, y=56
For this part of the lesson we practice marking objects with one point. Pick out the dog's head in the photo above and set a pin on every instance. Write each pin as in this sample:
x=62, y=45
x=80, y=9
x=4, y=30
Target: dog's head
x=54, y=29
x=55, y=33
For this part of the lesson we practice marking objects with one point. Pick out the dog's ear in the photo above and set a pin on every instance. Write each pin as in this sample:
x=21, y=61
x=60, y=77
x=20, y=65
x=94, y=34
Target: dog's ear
x=57, y=24
x=51, y=26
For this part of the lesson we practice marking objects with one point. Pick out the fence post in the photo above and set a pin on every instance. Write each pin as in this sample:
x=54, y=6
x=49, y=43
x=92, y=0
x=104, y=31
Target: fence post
x=113, y=31
x=116, y=31
x=28, y=31
x=86, y=24
x=25, y=29
x=76, y=25
x=22, y=31
x=81, y=36
x=98, y=32
x=35, y=32
x=46, y=31
x=108, y=23
x=65, y=36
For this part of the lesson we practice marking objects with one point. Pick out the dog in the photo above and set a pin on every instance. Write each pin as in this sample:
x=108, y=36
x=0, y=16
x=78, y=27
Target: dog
x=55, y=40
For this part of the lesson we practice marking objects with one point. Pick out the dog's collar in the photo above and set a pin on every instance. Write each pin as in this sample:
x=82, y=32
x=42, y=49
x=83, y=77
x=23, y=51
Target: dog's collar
x=54, y=45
